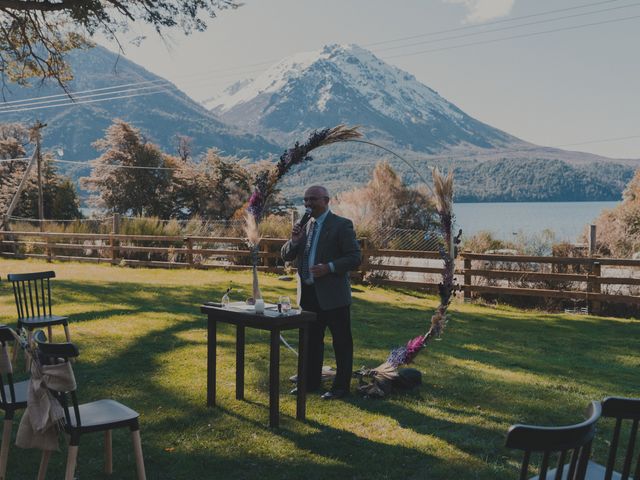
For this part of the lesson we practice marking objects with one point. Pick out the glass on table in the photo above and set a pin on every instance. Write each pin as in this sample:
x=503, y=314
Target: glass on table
x=225, y=300
x=285, y=303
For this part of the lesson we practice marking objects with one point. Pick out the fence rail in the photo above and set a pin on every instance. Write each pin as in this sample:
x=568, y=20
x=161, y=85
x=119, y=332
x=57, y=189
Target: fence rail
x=565, y=278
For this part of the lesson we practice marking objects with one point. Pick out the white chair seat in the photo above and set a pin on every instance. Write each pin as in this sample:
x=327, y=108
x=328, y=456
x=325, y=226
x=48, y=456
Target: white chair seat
x=595, y=471
x=102, y=413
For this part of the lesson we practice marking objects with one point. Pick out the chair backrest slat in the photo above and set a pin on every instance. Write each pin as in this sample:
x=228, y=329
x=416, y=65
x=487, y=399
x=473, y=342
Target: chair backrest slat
x=33, y=310
x=32, y=292
x=630, y=448
x=573, y=464
x=544, y=466
x=611, y=461
x=37, y=295
x=25, y=299
x=48, y=295
x=585, y=452
x=18, y=299
x=560, y=465
x=524, y=471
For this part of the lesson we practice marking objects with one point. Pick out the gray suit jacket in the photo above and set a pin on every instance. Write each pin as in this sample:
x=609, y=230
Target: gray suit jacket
x=337, y=244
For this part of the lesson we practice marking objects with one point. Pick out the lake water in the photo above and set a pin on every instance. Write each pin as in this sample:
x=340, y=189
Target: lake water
x=505, y=220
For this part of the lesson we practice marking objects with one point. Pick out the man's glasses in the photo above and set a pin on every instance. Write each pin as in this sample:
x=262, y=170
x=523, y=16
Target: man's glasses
x=313, y=199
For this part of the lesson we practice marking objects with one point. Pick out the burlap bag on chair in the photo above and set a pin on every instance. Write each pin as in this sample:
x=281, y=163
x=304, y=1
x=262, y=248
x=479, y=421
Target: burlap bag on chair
x=44, y=414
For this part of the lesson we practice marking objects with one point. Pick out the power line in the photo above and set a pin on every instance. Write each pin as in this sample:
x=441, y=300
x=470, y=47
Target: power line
x=495, y=22
x=574, y=27
x=555, y=19
x=615, y=139
x=81, y=92
x=86, y=101
x=74, y=99
x=133, y=167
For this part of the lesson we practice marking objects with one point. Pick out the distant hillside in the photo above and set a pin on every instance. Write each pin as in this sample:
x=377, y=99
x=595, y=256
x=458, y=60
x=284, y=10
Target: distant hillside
x=149, y=102
x=539, y=181
x=506, y=180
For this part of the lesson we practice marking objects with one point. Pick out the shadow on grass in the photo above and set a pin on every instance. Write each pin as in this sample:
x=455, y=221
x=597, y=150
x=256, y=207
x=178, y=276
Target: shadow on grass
x=491, y=369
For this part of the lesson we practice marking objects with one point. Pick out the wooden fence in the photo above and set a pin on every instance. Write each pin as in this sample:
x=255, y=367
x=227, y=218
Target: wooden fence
x=564, y=278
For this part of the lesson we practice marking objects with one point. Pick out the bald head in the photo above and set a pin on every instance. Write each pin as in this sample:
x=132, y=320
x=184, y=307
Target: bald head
x=316, y=198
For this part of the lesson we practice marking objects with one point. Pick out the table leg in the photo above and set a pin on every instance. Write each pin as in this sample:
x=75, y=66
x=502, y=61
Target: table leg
x=211, y=362
x=240, y=362
x=303, y=344
x=274, y=378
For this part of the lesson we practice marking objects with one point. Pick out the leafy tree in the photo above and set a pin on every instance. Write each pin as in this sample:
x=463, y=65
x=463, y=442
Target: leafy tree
x=59, y=194
x=387, y=202
x=216, y=187
x=144, y=190
x=13, y=139
x=618, y=229
x=35, y=35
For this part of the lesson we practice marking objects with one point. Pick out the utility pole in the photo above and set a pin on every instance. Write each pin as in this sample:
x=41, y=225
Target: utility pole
x=37, y=137
x=34, y=136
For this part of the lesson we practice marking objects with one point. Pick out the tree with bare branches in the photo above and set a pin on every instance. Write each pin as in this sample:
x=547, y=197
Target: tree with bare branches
x=386, y=202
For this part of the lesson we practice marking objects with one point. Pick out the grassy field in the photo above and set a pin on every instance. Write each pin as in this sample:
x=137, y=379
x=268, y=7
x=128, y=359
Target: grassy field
x=143, y=342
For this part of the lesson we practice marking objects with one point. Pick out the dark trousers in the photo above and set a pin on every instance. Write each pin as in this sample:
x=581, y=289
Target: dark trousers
x=339, y=322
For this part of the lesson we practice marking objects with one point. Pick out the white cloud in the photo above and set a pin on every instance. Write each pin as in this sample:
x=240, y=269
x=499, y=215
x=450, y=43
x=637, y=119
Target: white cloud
x=479, y=11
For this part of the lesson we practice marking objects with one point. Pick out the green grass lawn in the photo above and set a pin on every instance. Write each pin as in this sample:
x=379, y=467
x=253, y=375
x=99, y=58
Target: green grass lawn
x=142, y=341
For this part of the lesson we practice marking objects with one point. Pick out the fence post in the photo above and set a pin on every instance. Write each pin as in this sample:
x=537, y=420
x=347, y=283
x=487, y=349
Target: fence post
x=264, y=249
x=8, y=237
x=467, y=278
x=115, y=230
x=364, y=264
x=189, y=243
x=48, y=248
x=593, y=285
x=592, y=240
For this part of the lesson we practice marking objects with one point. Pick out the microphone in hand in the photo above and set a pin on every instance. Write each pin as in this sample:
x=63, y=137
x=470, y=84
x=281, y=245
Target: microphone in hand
x=305, y=218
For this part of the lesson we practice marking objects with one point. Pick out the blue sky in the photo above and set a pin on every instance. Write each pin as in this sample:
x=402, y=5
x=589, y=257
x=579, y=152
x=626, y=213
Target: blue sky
x=573, y=86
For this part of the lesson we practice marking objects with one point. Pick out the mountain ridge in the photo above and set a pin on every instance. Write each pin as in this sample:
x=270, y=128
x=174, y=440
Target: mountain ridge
x=154, y=105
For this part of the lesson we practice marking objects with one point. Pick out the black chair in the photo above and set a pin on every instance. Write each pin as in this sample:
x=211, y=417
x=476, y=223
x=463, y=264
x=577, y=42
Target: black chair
x=624, y=410
x=13, y=396
x=549, y=441
x=32, y=293
x=98, y=416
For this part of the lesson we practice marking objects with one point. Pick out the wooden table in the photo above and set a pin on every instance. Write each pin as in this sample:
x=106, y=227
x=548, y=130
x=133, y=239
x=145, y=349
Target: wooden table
x=275, y=323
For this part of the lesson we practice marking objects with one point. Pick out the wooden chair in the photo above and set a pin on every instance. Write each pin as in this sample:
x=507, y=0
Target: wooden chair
x=624, y=410
x=549, y=441
x=98, y=416
x=32, y=294
x=13, y=397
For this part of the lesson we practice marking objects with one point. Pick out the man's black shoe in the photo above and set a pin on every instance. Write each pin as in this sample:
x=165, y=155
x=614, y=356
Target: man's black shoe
x=334, y=394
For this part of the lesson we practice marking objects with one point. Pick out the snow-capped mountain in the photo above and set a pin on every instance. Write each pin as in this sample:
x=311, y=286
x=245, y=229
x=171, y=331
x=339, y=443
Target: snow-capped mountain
x=348, y=84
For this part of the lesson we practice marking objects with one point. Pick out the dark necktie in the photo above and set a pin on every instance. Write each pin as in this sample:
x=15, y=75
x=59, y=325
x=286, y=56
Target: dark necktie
x=304, y=271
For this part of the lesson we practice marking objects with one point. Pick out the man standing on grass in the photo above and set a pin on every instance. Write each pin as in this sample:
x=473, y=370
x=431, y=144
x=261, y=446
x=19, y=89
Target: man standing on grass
x=325, y=250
